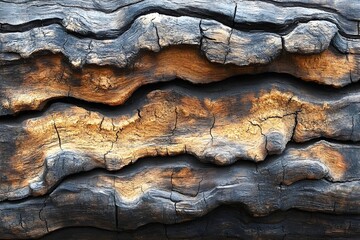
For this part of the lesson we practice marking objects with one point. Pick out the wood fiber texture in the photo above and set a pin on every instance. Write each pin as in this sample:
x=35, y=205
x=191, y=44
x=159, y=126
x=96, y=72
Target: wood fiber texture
x=173, y=119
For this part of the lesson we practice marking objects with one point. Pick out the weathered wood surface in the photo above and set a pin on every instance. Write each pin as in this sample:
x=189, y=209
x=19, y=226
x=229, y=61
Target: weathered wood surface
x=109, y=18
x=249, y=122
x=171, y=191
x=267, y=119
x=242, y=51
x=50, y=76
x=232, y=223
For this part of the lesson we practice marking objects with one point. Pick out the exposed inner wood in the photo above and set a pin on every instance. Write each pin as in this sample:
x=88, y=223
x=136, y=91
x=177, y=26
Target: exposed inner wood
x=50, y=76
x=248, y=123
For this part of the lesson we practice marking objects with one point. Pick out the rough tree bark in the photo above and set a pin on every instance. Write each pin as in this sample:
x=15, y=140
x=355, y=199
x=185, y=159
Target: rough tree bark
x=174, y=119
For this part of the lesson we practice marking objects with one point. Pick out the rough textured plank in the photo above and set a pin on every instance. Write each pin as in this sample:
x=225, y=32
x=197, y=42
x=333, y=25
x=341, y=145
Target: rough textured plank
x=174, y=191
x=249, y=122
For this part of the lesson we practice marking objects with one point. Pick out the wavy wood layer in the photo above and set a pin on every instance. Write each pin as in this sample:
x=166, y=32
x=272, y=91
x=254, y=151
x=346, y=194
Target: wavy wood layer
x=114, y=152
x=50, y=76
x=206, y=51
x=220, y=43
x=175, y=191
x=108, y=18
x=243, y=121
x=201, y=47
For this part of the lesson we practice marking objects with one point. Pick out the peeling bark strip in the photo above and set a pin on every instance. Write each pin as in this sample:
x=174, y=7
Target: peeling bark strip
x=115, y=152
x=165, y=191
x=249, y=122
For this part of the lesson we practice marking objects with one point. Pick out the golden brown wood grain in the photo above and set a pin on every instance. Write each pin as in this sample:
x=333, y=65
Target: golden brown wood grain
x=219, y=129
x=50, y=76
